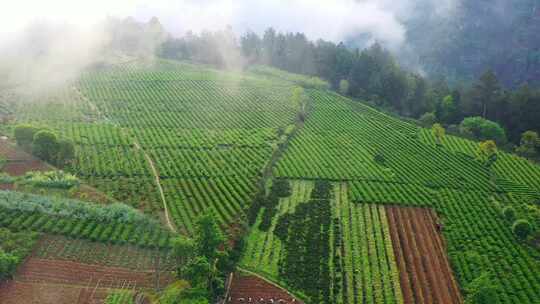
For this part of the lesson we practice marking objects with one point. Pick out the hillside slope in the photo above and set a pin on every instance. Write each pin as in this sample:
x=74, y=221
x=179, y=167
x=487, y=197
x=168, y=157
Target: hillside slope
x=211, y=134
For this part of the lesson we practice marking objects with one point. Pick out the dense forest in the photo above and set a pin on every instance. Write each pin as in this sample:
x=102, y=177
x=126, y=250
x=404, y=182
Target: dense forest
x=477, y=35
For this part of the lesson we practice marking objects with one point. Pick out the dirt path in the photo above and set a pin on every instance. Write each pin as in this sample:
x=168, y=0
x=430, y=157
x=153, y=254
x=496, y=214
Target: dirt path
x=137, y=146
x=158, y=183
x=424, y=269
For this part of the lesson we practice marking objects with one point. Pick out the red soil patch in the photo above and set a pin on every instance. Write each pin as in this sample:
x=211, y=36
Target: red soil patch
x=424, y=269
x=19, y=162
x=40, y=281
x=28, y=293
x=251, y=289
x=36, y=270
x=6, y=187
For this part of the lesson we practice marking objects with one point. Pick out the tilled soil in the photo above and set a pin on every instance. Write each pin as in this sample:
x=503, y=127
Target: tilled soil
x=36, y=270
x=251, y=289
x=424, y=269
x=19, y=162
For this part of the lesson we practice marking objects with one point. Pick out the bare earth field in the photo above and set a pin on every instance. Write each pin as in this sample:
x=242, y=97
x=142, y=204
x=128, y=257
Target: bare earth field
x=424, y=269
x=56, y=282
x=251, y=289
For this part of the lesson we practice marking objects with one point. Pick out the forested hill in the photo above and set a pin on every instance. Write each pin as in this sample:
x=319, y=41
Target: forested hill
x=481, y=34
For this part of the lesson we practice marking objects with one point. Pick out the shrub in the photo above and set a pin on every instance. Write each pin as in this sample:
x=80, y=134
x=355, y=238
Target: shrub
x=8, y=264
x=483, y=129
x=509, y=213
x=66, y=152
x=521, y=228
x=344, y=87
x=51, y=179
x=24, y=134
x=481, y=291
x=428, y=119
x=45, y=146
x=120, y=297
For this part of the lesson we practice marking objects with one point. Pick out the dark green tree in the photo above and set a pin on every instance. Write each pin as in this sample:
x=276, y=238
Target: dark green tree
x=45, y=146
x=66, y=152
x=485, y=93
x=522, y=228
x=481, y=290
x=24, y=134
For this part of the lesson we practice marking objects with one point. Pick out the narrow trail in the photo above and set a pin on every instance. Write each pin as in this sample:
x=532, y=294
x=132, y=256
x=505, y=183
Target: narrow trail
x=158, y=183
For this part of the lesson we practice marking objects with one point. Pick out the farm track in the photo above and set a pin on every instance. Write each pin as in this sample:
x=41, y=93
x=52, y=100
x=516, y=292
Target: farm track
x=137, y=146
x=158, y=184
x=425, y=273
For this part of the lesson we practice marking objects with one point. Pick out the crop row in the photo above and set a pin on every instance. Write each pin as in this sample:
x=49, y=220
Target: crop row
x=360, y=260
x=508, y=166
x=96, y=253
x=115, y=233
x=479, y=239
x=344, y=140
x=227, y=197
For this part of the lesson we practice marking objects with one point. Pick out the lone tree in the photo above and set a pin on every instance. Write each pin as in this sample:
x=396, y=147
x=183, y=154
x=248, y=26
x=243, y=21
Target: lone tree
x=481, y=290
x=24, y=134
x=521, y=228
x=344, y=87
x=428, y=119
x=183, y=250
x=66, y=152
x=438, y=131
x=45, y=146
x=483, y=129
x=486, y=92
x=529, y=143
x=487, y=152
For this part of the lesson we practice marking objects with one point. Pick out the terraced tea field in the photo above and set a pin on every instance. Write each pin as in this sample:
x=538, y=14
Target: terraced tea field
x=377, y=212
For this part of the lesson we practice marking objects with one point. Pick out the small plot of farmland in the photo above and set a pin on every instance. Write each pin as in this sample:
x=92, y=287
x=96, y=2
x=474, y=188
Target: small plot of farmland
x=125, y=256
x=252, y=289
x=424, y=269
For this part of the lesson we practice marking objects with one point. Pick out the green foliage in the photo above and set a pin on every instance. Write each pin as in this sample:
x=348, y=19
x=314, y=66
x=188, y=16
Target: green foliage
x=280, y=189
x=522, y=228
x=66, y=152
x=197, y=272
x=481, y=290
x=428, y=119
x=208, y=236
x=179, y=292
x=45, y=146
x=50, y=179
x=509, y=213
x=183, y=248
x=446, y=110
x=14, y=247
x=303, y=81
x=8, y=264
x=529, y=144
x=116, y=223
x=120, y=297
x=307, y=248
x=439, y=132
x=24, y=134
x=344, y=87
x=487, y=152
x=483, y=129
